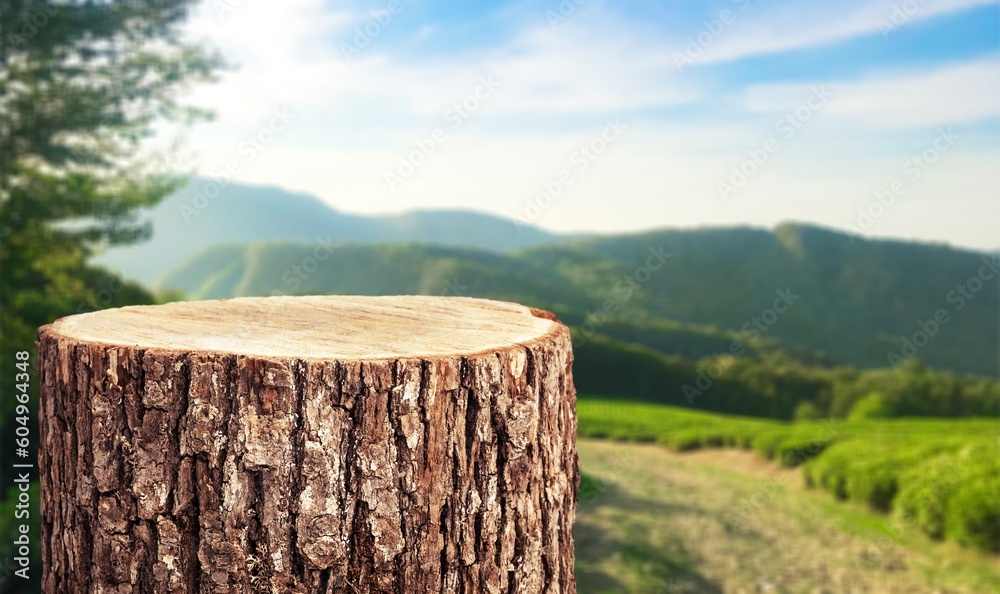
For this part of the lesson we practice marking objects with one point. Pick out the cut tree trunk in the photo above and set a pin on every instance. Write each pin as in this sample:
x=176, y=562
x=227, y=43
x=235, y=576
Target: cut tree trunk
x=308, y=444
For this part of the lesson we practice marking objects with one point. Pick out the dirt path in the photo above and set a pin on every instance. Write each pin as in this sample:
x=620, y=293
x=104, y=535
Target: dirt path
x=729, y=522
x=742, y=461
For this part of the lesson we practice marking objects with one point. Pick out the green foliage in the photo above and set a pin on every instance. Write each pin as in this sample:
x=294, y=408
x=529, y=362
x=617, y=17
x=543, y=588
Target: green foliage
x=937, y=475
x=637, y=351
x=873, y=482
x=759, y=388
x=807, y=411
x=927, y=489
x=853, y=299
x=872, y=406
x=79, y=91
x=871, y=470
x=9, y=527
x=973, y=516
x=957, y=496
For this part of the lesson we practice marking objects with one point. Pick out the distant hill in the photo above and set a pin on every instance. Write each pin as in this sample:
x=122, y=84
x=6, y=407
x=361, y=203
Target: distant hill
x=857, y=300
x=243, y=214
x=846, y=302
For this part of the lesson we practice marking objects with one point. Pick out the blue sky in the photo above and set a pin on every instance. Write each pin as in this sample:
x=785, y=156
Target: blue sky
x=878, y=118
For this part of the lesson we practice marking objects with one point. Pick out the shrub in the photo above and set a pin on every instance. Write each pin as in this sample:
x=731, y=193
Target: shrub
x=807, y=411
x=766, y=443
x=796, y=451
x=924, y=493
x=713, y=440
x=829, y=471
x=687, y=440
x=873, y=481
x=872, y=406
x=973, y=515
x=941, y=476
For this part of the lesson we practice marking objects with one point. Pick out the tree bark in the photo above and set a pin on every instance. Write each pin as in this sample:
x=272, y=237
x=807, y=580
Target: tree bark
x=436, y=452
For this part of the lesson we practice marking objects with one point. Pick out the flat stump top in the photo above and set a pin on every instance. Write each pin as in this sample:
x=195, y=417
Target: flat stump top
x=319, y=327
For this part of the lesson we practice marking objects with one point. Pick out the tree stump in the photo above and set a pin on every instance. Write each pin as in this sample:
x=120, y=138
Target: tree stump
x=308, y=444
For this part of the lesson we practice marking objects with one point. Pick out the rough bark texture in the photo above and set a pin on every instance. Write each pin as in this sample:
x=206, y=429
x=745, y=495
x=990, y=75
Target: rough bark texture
x=166, y=471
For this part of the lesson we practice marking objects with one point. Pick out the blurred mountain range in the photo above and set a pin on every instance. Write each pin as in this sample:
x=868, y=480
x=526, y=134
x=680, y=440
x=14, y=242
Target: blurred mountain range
x=188, y=221
x=821, y=295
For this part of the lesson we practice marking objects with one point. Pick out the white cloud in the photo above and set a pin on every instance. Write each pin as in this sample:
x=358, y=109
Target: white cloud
x=281, y=52
x=540, y=72
x=355, y=119
x=805, y=24
x=952, y=94
x=955, y=94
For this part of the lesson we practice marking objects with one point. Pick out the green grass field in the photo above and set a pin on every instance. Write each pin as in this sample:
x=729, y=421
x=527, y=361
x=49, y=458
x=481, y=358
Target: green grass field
x=654, y=521
x=941, y=477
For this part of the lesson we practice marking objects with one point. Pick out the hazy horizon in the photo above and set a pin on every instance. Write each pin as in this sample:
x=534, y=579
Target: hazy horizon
x=189, y=195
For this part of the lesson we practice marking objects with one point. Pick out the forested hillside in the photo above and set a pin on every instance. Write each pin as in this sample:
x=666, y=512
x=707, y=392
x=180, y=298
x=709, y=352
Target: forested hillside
x=814, y=293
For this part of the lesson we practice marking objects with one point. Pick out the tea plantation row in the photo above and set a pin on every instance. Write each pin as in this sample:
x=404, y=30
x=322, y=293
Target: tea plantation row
x=940, y=475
